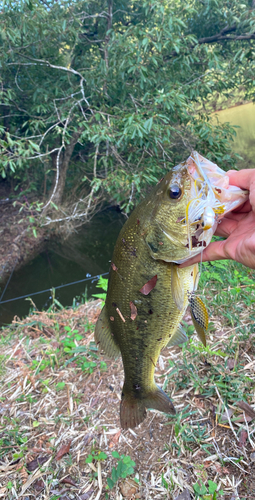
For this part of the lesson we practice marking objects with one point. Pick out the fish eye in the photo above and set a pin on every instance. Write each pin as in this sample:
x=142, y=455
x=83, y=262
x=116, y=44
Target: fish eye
x=175, y=192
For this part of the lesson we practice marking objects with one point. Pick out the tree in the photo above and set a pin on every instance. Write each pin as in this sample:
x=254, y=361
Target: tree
x=101, y=98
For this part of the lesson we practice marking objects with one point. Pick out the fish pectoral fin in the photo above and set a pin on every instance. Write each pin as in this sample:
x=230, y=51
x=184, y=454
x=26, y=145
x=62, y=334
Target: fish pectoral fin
x=199, y=316
x=177, y=286
x=104, y=337
x=179, y=337
x=133, y=410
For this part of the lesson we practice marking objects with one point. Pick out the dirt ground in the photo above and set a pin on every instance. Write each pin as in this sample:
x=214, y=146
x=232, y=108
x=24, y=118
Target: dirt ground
x=17, y=242
x=59, y=422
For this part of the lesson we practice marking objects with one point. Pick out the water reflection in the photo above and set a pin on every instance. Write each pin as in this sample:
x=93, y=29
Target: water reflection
x=85, y=254
x=244, y=143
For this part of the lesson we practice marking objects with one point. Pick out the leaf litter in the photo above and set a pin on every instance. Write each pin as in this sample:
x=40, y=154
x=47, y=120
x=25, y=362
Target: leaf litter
x=55, y=413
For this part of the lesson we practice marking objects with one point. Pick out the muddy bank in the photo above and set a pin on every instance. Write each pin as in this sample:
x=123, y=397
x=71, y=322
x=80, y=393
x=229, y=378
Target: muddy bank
x=17, y=243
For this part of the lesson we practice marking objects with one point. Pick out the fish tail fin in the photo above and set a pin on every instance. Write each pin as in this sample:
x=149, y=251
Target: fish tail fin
x=133, y=410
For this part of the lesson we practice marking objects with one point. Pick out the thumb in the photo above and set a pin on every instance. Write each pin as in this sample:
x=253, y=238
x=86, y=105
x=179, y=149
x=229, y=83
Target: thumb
x=214, y=251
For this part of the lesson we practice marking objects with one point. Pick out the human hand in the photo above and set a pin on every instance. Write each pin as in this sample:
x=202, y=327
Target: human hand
x=238, y=227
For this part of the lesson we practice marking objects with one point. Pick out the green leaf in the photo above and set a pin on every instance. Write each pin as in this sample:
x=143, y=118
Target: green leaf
x=110, y=482
x=115, y=476
x=89, y=459
x=212, y=486
x=200, y=489
x=60, y=386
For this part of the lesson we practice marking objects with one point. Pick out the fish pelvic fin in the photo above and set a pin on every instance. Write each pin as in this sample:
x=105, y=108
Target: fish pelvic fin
x=104, y=337
x=177, y=287
x=179, y=337
x=133, y=410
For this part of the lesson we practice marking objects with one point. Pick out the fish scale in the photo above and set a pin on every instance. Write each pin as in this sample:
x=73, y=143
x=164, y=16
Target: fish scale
x=157, y=314
x=148, y=293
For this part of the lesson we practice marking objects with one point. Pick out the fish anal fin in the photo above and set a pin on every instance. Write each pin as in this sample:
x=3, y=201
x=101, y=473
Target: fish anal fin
x=179, y=337
x=158, y=400
x=103, y=336
x=199, y=316
x=177, y=287
x=133, y=410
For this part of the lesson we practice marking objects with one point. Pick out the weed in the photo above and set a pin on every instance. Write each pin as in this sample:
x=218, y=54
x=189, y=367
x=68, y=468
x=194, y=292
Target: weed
x=69, y=341
x=237, y=292
x=71, y=347
x=102, y=283
x=3, y=360
x=124, y=468
x=210, y=493
x=13, y=439
x=98, y=456
x=60, y=386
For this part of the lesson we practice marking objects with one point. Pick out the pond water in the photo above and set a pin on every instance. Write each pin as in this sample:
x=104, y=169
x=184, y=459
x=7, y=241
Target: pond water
x=244, y=144
x=84, y=255
x=88, y=252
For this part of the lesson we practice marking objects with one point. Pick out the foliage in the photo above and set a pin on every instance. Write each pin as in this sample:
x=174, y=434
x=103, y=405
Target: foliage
x=97, y=456
x=100, y=99
x=203, y=493
x=124, y=468
x=102, y=283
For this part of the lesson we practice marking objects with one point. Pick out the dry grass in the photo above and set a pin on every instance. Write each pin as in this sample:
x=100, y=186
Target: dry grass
x=54, y=413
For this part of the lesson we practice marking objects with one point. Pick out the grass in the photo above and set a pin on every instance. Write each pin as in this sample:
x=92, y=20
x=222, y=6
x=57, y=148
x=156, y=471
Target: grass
x=59, y=406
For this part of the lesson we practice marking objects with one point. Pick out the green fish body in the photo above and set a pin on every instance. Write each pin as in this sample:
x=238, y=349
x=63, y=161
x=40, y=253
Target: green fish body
x=148, y=293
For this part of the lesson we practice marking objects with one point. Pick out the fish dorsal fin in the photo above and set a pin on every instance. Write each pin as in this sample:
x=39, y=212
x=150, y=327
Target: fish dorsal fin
x=199, y=316
x=178, y=337
x=104, y=337
x=177, y=287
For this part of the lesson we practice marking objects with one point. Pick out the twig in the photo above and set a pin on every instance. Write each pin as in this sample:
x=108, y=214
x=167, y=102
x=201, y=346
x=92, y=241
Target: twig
x=228, y=417
x=248, y=432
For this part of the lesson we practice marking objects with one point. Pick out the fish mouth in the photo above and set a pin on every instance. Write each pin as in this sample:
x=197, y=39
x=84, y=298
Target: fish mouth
x=212, y=187
x=211, y=198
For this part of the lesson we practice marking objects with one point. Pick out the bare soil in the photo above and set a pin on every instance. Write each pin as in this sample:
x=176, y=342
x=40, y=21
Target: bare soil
x=17, y=241
x=62, y=425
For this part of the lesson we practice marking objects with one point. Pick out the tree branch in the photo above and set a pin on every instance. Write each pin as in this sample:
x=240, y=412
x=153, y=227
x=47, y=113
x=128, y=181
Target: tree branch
x=220, y=38
x=54, y=66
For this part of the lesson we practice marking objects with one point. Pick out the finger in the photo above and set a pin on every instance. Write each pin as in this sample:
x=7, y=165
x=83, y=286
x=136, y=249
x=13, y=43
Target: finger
x=244, y=179
x=236, y=215
x=246, y=207
x=226, y=227
x=214, y=251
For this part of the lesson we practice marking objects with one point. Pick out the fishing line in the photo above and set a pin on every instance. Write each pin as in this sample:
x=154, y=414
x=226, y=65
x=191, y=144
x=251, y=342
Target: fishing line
x=10, y=277
x=91, y=278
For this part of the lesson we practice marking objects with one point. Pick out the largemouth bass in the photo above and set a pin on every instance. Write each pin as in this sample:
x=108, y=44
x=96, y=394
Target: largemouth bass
x=147, y=292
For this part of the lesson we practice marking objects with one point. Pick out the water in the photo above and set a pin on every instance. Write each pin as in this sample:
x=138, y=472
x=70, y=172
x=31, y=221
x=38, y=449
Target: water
x=86, y=253
x=89, y=251
x=244, y=143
